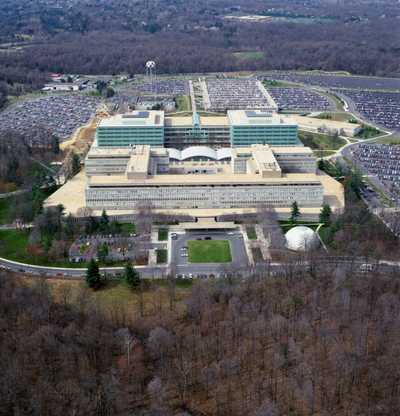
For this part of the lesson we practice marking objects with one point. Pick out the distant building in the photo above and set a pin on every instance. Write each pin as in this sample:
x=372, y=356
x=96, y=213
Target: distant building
x=262, y=127
x=138, y=127
x=62, y=87
x=318, y=125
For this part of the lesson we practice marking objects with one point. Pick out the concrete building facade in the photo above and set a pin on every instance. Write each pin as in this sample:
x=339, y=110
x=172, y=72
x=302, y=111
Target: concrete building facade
x=201, y=178
x=237, y=128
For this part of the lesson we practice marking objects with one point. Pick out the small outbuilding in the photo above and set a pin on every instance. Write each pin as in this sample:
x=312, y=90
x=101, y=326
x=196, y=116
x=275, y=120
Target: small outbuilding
x=302, y=238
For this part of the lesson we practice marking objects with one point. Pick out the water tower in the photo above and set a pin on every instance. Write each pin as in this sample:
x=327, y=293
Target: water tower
x=151, y=74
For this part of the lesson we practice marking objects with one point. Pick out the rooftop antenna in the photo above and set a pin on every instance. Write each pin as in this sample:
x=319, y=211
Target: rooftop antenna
x=151, y=75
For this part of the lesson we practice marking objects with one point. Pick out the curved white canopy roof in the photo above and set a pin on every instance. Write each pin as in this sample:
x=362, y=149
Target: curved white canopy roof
x=199, y=151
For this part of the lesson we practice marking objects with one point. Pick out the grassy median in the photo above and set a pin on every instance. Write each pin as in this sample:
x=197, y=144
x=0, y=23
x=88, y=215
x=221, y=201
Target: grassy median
x=209, y=251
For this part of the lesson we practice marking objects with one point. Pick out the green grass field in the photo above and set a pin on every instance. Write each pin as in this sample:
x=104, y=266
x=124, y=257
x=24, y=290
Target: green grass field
x=162, y=256
x=14, y=246
x=321, y=141
x=209, y=251
x=183, y=103
x=251, y=233
x=368, y=132
x=162, y=234
x=128, y=228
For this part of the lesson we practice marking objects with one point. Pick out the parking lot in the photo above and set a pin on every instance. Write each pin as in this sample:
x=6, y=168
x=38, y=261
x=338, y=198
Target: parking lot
x=180, y=261
x=61, y=114
x=300, y=99
x=235, y=94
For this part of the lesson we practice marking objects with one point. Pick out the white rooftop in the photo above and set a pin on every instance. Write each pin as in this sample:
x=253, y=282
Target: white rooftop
x=255, y=118
x=135, y=119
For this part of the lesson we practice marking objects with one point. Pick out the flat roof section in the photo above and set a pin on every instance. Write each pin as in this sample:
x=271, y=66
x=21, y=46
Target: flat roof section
x=253, y=118
x=304, y=121
x=135, y=119
x=72, y=197
x=207, y=223
x=205, y=121
x=223, y=178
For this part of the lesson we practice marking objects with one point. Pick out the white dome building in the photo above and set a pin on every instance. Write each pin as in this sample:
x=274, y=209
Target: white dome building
x=301, y=238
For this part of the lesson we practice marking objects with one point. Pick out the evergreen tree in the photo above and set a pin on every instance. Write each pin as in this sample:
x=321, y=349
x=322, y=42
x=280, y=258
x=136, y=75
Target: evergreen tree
x=55, y=145
x=325, y=214
x=102, y=252
x=75, y=164
x=93, y=278
x=104, y=221
x=295, y=212
x=92, y=225
x=110, y=92
x=131, y=276
x=69, y=226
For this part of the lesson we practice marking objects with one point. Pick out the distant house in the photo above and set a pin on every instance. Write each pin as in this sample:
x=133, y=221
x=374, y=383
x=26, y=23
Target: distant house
x=62, y=87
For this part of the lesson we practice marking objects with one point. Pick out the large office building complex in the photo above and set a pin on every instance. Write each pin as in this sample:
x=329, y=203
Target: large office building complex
x=200, y=163
x=237, y=128
x=139, y=127
x=201, y=178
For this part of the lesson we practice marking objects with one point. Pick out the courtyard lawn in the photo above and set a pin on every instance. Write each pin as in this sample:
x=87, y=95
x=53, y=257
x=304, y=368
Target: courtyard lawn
x=128, y=228
x=209, y=251
x=162, y=234
x=162, y=256
x=183, y=103
x=251, y=233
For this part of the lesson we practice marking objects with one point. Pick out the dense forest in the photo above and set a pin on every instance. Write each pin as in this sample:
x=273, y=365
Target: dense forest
x=316, y=343
x=114, y=36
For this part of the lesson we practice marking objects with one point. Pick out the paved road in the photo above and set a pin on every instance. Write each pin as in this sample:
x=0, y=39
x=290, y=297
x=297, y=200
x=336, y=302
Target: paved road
x=69, y=272
x=355, y=264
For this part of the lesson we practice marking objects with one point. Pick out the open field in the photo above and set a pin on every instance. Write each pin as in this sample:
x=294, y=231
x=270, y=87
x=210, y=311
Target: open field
x=117, y=300
x=213, y=251
x=248, y=55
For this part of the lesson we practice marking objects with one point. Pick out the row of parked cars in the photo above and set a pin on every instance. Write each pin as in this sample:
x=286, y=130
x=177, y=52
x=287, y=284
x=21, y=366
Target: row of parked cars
x=189, y=276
